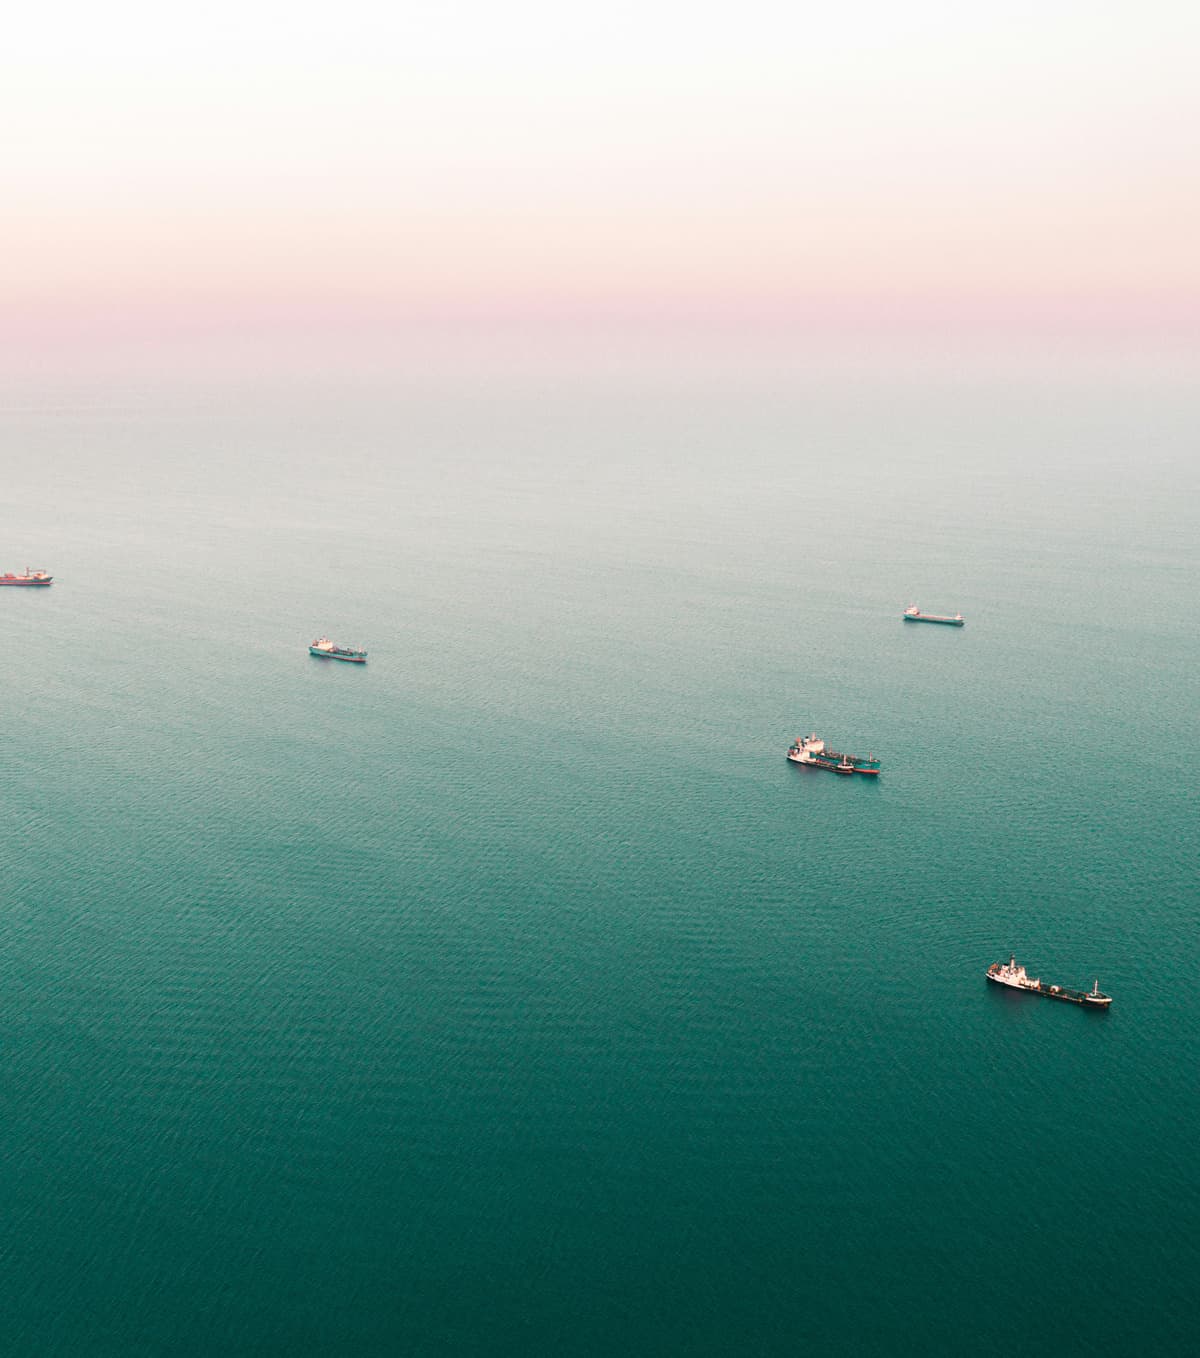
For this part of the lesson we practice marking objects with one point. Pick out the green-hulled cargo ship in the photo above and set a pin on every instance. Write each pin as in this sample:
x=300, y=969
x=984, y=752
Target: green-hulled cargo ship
x=326, y=649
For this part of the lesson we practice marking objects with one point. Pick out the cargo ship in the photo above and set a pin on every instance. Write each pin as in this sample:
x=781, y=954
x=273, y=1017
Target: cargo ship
x=324, y=647
x=812, y=750
x=28, y=578
x=914, y=614
x=1009, y=974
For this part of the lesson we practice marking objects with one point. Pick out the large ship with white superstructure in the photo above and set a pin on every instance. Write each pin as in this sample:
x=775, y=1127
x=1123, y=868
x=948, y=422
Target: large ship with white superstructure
x=812, y=751
x=329, y=651
x=1010, y=974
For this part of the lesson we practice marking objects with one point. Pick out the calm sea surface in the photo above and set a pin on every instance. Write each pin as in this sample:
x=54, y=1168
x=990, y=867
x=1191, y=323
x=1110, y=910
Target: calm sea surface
x=512, y=994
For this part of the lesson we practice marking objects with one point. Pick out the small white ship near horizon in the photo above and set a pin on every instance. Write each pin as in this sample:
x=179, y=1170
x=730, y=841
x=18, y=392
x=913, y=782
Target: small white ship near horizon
x=913, y=614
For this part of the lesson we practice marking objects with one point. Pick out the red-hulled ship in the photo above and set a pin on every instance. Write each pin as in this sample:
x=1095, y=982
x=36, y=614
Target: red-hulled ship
x=28, y=578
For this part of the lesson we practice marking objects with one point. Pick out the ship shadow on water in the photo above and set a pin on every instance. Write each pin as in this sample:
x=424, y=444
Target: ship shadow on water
x=808, y=771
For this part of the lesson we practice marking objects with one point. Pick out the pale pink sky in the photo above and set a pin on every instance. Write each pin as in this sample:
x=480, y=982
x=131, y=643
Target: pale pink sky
x=175, y=183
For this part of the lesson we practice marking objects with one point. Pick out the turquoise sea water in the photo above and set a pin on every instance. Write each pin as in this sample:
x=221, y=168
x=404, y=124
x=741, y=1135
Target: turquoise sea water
x=512, y=994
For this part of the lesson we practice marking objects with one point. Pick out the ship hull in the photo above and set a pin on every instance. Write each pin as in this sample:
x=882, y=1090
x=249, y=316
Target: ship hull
x=1056, y=992
x=945, y=622
x=329, y=655
x=26, y=584
x=813, y=763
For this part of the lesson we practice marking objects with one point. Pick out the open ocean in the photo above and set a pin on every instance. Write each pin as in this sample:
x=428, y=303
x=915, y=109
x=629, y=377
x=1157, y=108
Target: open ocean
x=512, y=994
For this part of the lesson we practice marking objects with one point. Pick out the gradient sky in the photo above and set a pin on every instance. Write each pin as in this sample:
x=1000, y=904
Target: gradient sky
x=171, y=175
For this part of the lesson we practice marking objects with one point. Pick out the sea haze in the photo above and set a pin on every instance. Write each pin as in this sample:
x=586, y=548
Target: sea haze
x=512, y=994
